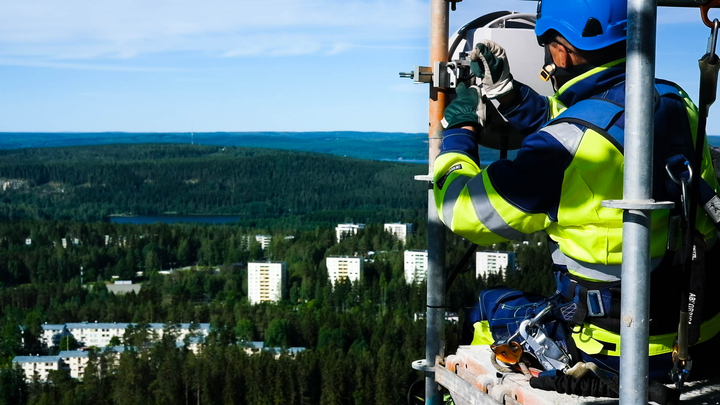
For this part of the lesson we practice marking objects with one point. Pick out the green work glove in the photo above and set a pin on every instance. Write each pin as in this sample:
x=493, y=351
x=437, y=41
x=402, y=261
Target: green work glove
x=467, y=108
x=489, y=63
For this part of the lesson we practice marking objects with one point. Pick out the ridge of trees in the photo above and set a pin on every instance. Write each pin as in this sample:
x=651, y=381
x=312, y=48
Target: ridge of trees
x=305, y=189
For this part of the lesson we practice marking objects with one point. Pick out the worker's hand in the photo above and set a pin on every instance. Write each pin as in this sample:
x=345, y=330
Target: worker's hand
x=587, y=386
x=591, y=385
x=489, y=63
x=467, y=109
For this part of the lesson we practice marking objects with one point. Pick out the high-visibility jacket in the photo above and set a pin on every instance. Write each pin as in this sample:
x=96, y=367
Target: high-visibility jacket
x=557, y=182
x=562, y=173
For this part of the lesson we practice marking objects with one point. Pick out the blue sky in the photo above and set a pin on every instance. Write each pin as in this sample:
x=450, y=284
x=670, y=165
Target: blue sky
x=245, y=65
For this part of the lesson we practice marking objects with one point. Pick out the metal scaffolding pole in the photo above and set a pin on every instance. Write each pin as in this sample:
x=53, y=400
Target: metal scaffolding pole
x=637, y=202
x=639, y=128
x=439, y=26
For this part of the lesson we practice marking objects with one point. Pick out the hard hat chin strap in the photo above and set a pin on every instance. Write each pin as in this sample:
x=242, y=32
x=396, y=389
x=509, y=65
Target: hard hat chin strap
x=559, y=75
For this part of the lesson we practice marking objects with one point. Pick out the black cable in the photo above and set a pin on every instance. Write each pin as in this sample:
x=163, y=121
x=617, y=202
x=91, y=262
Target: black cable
x=459, y=267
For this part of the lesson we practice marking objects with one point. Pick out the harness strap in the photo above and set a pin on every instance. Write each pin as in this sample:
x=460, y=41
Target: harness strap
x=585, y=299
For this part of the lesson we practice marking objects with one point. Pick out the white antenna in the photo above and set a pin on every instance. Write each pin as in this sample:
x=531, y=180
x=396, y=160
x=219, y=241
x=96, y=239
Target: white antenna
x=192, y=135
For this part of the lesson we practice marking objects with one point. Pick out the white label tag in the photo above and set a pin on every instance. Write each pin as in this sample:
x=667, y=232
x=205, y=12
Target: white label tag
x=712, y=208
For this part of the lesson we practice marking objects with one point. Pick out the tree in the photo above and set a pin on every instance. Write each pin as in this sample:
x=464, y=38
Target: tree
x=277, y=333
x=245, y=330
x=12, y=386
x=10, y=341
x=68, y=342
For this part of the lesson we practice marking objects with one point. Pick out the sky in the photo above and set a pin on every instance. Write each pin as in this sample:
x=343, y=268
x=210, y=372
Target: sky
x=246, y=65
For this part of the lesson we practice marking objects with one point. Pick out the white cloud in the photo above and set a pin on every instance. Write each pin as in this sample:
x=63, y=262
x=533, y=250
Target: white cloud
x=84, y=29
x=82, y=66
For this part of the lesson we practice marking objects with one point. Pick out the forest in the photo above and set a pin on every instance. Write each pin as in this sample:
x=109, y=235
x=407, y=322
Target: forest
x=264, y=187
x=360, y=338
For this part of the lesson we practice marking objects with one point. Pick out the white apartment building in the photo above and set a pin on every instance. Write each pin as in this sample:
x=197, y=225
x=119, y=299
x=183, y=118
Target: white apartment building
x=52, y=334
x=75, y=361
x=401, y=231
x=416, y=264
x=100, y=334
x=343, y=230
x=344, y=267
x=266, y=281
x=41, y=365
x=263, y=240
x=493, y=262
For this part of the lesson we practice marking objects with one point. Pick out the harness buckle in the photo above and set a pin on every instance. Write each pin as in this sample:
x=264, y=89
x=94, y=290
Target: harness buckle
x=595, y=305
x=683, y=181
x=547, y=351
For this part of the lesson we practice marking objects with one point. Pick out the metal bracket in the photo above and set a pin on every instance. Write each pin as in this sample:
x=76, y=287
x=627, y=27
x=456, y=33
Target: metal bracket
x=421, y=74
x=642, y=205
x=421, y=365
x=453, y=4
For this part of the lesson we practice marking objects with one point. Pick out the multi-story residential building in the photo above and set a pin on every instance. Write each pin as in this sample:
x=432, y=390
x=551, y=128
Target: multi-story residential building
x=100, y=334
x=494, y=262
x=41, y=365
x=266, y=281
x=52, y=334
x=343, y=230
x=401, y=231
x=344, y=267
x=75, y=361
x=263, y=240
x=416, y=264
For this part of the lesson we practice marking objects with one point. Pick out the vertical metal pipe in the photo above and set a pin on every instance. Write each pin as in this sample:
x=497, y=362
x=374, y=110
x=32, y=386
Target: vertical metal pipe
x=639, y=127
x=439, y=26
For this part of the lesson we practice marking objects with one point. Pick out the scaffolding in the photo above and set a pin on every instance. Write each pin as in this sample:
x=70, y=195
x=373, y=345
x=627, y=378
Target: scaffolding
x=637, y=205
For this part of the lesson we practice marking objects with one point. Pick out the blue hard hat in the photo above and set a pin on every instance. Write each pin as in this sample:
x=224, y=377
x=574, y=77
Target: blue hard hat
x=587, y=24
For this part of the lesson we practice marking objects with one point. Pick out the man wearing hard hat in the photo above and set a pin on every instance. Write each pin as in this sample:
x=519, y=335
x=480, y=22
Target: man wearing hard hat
x=570, y=161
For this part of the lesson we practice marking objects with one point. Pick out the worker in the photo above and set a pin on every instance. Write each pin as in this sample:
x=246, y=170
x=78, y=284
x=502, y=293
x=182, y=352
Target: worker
x=571, y=160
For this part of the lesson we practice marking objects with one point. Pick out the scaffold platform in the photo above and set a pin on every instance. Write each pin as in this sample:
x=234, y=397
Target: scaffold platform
x=471, y=379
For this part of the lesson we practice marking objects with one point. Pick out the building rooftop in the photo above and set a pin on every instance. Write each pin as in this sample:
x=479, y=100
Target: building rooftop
x=52, y=327
x=36, y=359
x=73, y=353
x=124, y=325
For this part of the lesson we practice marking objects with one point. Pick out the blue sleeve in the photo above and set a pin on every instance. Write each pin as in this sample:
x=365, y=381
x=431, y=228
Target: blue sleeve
x=461, y=140
x=528, y=112
x=532, y=182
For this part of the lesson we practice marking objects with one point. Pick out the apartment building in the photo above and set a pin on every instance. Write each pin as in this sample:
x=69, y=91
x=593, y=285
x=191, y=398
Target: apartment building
x=41, y=365
x=401, y=231
x=51, y=334
x=416, y=264
x=99, y=334
x=266, y=281
x=493, y=262
x=343, y=230
x=344, y=267
x=264, y=241
x=75, y=361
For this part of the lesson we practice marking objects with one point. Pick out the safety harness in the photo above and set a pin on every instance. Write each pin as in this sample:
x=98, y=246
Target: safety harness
x=599, y=303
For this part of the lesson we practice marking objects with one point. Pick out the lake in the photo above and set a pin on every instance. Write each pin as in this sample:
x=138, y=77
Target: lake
x=174, y=219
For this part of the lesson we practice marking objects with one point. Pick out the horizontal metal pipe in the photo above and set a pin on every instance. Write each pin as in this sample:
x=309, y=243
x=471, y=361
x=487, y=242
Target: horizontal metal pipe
x=675, y=3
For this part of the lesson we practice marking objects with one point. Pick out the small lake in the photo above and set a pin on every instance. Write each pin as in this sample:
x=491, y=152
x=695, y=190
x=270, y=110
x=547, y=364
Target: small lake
x=174, y=219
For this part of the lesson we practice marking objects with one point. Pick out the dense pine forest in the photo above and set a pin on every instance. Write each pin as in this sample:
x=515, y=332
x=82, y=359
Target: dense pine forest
x=263, y=186
x=360, y=338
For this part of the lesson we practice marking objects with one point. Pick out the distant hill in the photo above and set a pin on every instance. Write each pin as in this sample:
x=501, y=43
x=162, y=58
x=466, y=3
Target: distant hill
x=408, y=147
x=88, y=183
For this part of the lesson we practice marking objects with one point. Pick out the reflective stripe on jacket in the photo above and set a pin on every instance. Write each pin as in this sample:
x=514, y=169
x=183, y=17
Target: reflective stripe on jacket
x=560, y=176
